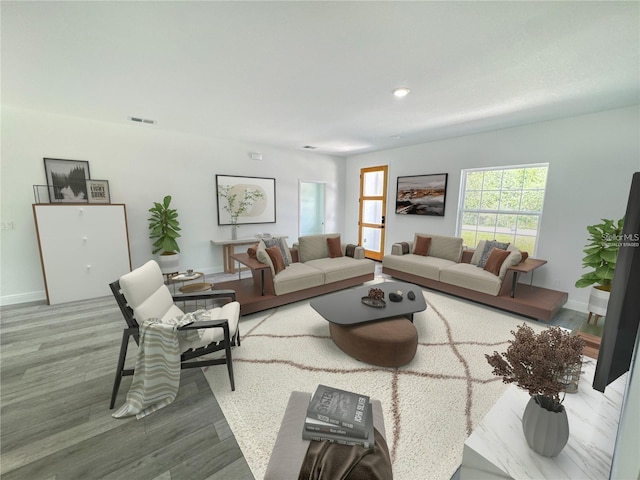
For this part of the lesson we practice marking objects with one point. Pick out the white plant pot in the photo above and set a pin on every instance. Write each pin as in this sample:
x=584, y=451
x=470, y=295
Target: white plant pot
x=169, y=263
x=598, y=301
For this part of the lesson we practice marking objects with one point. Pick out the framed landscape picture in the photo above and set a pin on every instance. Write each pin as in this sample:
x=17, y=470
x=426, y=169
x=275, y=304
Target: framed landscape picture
x=422, y=194
x=98, y=191
x=67, y=180
x=256, y=193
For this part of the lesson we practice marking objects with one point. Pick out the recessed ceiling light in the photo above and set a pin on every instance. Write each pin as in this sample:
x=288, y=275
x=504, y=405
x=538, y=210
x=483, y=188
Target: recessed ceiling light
x=401, y=91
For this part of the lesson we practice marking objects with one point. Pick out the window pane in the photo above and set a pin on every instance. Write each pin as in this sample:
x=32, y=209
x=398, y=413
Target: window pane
x=487, y=220
x=469, y=237
x=492, y=180
x=535, y=177
x=507, y=223
x=474, y=181
x=527, y=224
x=490, y=200
x=525, y=243
x=510, y=200
x=532, y=201
x=373, y=184
x=512, y=179
x=372, y=211
x=371, y=238
x=472, y=200
x=469, y=219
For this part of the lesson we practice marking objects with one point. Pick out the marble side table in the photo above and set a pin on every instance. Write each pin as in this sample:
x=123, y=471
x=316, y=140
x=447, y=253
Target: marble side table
x=497, y=447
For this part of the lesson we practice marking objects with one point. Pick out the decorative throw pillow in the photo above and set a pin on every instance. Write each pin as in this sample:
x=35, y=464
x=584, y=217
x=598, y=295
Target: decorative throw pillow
x=276, y=258
x=422, y=245
x=335, y=250
x=350, y=250
x=282, y=245
x=488, y=247
x=251, y=251
x=495, y=260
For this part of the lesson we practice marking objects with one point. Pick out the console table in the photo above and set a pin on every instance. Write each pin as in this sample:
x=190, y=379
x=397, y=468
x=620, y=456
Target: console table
x=497, y=447
x=228, y=249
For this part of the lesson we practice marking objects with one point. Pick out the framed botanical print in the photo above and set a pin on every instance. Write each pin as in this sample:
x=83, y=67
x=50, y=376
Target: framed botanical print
x=244, y=200
x=67, y=180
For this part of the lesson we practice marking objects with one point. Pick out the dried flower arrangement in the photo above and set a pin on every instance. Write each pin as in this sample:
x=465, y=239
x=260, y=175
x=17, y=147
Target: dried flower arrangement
x=537, y=363
x=376, y=294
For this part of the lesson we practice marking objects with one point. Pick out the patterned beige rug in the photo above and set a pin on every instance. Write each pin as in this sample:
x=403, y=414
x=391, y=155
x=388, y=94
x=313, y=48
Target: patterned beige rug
x=430, y=405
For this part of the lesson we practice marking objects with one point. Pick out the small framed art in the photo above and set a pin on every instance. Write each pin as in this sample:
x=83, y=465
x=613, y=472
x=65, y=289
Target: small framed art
x=67, y=180
x=98, y=191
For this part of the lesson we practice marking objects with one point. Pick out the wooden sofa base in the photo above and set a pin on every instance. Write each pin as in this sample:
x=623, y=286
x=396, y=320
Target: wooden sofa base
x=251, y=301
x=535, y=302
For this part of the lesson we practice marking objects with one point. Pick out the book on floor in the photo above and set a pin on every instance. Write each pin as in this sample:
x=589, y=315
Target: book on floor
x=367, y=441
x=342, y=408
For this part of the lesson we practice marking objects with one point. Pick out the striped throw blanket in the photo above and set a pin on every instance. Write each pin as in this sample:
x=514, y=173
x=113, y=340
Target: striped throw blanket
x=157, y=372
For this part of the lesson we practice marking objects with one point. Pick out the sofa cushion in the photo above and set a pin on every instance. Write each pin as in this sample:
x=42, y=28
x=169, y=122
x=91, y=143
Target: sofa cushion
x=281, y=243
x=448, y=248
x=297, y=276
x=335, y=249
x=471, y=277
x=495, y=260
x=263, y=257
x=312, y=247
x=428, y=267
x=342, y=268
x=513, y=259
x=275, y=254
x=486, y=251
x=422, y=245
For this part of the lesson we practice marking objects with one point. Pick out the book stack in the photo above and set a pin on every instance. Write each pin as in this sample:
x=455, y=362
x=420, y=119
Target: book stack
x=339, y=417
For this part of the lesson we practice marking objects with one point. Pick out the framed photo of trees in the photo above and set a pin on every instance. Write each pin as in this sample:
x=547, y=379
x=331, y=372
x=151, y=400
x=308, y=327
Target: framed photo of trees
x=67, y=180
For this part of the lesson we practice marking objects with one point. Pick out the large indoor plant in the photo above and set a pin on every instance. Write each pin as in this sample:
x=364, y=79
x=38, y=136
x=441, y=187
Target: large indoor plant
x=238, y=203
x=539, y=364
x=164, y=228
x=601, y=256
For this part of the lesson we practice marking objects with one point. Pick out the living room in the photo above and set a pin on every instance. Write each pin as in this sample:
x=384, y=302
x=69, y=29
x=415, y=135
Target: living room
x=590, y=137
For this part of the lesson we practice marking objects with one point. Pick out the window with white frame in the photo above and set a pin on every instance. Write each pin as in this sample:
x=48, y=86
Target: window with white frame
x=503, y=203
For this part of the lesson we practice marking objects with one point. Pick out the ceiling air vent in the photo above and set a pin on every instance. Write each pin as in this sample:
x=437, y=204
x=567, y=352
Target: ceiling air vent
x=309, y=147
x=143, y=120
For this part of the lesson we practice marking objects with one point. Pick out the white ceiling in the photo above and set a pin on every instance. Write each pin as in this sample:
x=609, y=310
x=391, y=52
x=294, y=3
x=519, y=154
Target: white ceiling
x=291, y=74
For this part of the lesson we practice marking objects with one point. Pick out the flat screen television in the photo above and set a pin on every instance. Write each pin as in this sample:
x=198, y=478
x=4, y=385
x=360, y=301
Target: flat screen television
x=623, y=312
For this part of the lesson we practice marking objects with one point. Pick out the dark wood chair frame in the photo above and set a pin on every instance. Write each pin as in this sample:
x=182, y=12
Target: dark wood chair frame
x=133, y=330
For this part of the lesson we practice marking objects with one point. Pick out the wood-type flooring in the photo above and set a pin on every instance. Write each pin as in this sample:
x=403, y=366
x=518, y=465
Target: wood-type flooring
x=57, y=369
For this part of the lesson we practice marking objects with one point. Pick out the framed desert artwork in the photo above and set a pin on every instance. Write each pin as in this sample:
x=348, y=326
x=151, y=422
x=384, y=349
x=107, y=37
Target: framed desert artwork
x=422, y=194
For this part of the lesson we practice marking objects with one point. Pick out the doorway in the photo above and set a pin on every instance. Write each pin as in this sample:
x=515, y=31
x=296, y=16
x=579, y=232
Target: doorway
x=311, y=209
x=373, y=208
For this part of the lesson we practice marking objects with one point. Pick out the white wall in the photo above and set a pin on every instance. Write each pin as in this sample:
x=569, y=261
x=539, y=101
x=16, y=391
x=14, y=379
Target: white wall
x=143, y=164
x=591, y=160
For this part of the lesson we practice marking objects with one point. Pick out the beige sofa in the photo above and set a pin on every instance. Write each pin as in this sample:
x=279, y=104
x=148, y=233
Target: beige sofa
x=315, y=272
x=449, y=268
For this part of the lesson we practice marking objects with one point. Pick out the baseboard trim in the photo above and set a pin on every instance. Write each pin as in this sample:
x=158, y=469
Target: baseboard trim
x=23, y=298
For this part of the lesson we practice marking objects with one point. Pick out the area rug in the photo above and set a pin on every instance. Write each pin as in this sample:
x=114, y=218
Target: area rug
x=430, y=405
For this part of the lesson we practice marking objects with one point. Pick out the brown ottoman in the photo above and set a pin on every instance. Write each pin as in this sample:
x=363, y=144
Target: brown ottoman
x=386, y=343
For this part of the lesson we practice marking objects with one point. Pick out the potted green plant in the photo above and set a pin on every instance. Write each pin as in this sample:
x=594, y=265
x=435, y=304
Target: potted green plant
x=543, y=365
x=601, y=256
x=164, y=228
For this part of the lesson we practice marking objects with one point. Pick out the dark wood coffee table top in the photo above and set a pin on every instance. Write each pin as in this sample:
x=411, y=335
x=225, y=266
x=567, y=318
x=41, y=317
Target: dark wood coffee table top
x=346, y=307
